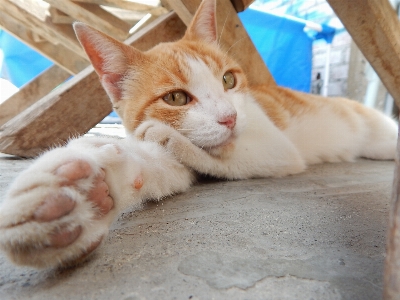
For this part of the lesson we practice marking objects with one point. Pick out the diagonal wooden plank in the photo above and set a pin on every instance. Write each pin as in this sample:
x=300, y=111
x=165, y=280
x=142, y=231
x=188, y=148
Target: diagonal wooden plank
x=233, y=38
x=94, y=15
x=79, y=104
x=375, y=28
x=32, y=92
x=60, y=55
x=54, y=33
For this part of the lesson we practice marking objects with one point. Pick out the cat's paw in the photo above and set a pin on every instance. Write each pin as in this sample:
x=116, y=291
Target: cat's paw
x=184, y=151
x=155, y=131
x=55, y=213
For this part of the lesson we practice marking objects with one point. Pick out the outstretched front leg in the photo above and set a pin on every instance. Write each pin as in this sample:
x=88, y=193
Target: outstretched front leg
x=59, y=210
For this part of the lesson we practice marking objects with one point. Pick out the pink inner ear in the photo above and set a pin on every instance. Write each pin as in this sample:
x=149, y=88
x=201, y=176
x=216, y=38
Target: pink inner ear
x=95, y=58
x=107, y=57
x=203, y=25
x=84, y=34
x=111, y=85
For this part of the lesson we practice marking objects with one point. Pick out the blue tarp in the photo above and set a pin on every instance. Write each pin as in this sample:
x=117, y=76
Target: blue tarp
x=20, y=63
x=284, y=46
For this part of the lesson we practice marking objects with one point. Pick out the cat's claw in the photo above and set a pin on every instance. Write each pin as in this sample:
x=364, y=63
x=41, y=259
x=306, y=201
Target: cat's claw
x=56, y=216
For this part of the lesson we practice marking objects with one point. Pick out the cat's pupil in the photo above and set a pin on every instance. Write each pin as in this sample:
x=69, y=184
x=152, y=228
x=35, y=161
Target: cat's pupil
x=177, y=98
x=228, y=80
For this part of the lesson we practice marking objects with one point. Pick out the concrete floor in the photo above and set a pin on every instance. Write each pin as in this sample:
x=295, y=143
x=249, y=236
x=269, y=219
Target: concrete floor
x=317, y=235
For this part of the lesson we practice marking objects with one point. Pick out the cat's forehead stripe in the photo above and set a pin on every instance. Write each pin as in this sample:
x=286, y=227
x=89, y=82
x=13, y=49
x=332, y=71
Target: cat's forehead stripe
x=211, y=56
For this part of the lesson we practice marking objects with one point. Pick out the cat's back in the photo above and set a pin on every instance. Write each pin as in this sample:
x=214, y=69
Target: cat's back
x=283, y=105
x=328, y=129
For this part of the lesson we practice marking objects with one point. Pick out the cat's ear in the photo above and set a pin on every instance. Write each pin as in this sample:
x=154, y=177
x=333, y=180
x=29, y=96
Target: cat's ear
x=204, y=25
x=109, y=57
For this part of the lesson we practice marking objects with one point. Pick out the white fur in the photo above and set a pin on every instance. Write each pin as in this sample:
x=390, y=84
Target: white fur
x=213, y=104
x=325, y=136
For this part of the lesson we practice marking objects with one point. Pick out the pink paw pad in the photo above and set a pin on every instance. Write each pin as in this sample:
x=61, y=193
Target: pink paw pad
x=74, y=170
x=55, y=206
x=63, y=237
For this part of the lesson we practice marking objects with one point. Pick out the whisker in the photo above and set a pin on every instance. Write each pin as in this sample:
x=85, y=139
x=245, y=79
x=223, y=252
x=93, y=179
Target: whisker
x=239, y=40
x=222, y=31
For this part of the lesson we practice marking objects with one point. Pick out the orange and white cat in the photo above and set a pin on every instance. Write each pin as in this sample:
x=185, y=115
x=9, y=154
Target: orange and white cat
x=187, y=108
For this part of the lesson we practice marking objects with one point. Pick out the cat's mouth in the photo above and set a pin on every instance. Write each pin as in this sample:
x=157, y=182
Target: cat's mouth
x=211, y=138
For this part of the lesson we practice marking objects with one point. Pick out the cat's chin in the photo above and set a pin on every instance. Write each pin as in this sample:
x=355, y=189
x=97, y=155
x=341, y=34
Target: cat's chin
x=224, y=149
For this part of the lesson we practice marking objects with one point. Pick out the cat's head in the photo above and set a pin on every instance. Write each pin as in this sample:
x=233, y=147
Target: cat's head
x=189, y=84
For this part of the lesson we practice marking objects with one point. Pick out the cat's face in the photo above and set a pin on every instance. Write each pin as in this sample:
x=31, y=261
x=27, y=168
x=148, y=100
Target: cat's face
x=189, y=84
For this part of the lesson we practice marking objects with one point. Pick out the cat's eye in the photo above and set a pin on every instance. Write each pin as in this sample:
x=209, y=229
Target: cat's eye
x=228, y=80
x=177, y=98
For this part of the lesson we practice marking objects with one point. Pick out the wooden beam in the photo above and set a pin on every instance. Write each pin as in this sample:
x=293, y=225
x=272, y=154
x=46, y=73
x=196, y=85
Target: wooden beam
x=183, y=12
x=77, y=105
x=375, y=28
x=95, y=16
x=129, y=5
x=59, y=17
x=233, y=38
x=37, y=8
x=241, y=5
x=391, y=281
x=54, y=33
x=60, y=55
x=32, y=92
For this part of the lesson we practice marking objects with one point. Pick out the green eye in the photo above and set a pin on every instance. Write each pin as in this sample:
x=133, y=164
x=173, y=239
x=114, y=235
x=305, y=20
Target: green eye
x=178, y=98
x=228, y=80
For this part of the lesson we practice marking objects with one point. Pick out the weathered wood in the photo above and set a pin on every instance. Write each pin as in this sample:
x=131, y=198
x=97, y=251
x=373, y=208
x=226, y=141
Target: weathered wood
x=37, y=38
x=35, y=8
x=241, y=5
x=375, y=28
x=180, y=8
x=391, y=280
x=55, y=33
x=233, y=38
x=129, y=5
x=94, y=15
x=79, y=104
x=59, y=54
x=59, y=17
x=32, y=92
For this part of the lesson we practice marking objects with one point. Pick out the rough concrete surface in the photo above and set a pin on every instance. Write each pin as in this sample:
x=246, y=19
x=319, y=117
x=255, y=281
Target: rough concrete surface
x=317, y=235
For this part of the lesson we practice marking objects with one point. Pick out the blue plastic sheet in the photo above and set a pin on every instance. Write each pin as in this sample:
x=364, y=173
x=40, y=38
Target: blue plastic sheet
x=20, y=63
x=284, y=46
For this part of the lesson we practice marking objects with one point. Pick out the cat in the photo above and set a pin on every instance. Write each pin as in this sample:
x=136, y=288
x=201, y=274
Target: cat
x=187, y=109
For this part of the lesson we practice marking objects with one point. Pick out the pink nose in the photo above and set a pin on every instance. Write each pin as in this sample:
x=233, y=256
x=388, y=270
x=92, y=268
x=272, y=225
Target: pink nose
x=228, y=121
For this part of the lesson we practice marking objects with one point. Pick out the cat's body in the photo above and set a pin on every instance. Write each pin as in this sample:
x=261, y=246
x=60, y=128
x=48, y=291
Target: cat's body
x=187, y=108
